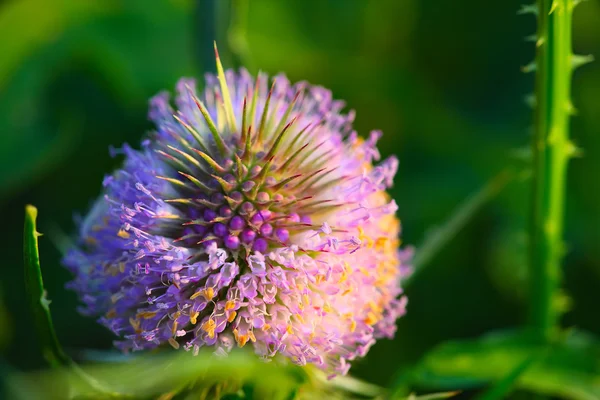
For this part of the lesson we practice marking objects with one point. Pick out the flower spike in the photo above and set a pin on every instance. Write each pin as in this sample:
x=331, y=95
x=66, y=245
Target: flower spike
x=279, y=236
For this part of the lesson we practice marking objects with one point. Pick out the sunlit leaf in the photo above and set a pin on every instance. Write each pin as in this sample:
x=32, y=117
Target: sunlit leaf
x=504, y=386
x=170, y=373
x=347, y=385
x=181, y=375
x=433, y=396
x=569, y=369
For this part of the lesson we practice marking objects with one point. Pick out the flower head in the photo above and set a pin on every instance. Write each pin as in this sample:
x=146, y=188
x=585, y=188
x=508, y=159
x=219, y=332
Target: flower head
x=251, y=215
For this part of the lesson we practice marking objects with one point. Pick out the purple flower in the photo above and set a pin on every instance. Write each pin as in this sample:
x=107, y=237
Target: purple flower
x=257, y=264
x=252, y=214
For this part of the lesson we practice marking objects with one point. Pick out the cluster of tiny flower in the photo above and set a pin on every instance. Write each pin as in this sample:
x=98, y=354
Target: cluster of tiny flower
x=251, y=215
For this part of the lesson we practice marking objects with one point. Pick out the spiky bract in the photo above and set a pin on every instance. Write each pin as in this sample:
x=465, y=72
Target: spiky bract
x=251, y=215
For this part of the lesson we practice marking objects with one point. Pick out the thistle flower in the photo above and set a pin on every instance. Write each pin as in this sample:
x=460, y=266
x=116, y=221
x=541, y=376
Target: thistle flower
x=249, y=216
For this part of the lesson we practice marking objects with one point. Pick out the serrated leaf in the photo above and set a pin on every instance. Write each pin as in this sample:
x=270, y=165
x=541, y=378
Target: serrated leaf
x=569, y=369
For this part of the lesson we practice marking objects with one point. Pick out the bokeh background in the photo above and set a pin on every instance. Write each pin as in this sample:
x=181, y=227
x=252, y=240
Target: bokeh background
x=441, y=78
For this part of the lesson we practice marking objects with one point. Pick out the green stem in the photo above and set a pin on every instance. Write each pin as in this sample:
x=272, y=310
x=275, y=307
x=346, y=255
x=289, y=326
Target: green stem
x=551, y=151
x=236, y=36
x=223, y=22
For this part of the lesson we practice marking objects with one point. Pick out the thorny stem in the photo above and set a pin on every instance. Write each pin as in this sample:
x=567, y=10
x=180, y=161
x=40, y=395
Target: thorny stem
x=551, y=150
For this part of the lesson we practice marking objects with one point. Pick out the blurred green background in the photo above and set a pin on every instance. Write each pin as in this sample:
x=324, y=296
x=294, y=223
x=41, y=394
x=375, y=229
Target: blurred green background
x=441, y=78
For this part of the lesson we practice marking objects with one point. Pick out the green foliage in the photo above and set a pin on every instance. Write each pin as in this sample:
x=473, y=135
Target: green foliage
x=504, y=386
x=83, y=33
x=75, y=77
x=433, y=396
x=171, y=374
x=567, y=369
x=44, y=27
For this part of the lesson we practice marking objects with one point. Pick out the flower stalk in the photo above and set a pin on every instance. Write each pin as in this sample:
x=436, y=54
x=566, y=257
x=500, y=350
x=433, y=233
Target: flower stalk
x=551, y=150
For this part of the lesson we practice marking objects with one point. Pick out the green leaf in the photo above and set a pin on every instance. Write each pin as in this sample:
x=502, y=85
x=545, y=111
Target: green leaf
x=38, y=302
x=433, y=396
x=343, y=386
x=169, y=373
x=568, y=369
x=180, y=375
x=502, y=388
